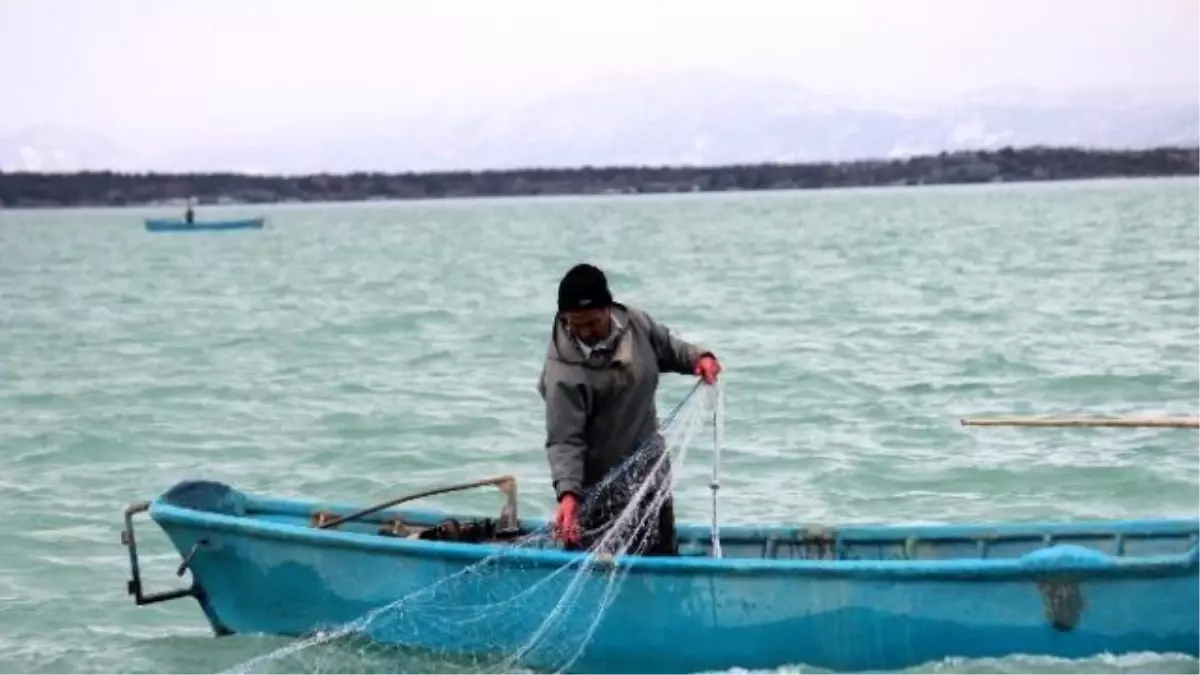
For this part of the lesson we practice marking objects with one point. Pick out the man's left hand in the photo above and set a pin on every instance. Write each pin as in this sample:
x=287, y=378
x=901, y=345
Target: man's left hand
x=708, y=368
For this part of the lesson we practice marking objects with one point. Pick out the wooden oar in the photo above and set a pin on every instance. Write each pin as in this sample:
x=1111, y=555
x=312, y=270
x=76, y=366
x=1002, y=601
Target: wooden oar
x=1167, y=422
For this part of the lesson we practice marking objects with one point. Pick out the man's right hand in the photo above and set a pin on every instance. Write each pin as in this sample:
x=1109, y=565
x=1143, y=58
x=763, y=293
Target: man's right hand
x=708, y=368
x=566, y=519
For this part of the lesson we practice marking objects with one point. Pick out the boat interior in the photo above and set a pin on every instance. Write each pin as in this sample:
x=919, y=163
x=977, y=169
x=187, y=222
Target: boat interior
x=1117, y=538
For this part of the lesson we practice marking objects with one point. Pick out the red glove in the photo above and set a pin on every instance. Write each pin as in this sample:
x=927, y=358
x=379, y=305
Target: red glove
x=708, y=368
x=566, y=520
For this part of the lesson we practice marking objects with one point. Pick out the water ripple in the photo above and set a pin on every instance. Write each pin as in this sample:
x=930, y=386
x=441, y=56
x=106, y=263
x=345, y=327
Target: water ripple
x=365, y=351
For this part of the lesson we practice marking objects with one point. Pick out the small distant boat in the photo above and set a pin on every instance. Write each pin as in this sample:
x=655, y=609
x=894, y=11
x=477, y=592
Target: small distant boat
x=182, y=225
x=843, y=598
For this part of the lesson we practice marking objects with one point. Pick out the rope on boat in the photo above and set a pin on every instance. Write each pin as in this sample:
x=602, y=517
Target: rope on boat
x=715, y=483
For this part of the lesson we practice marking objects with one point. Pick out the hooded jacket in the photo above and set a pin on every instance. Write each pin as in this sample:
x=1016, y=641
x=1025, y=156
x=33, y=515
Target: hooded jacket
x=601, y=407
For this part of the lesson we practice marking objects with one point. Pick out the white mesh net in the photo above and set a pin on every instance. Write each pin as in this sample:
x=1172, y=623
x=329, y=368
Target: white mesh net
x=496, y=615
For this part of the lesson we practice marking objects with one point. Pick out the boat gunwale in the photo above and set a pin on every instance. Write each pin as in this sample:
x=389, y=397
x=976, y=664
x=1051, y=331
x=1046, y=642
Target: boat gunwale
x=1096, y=564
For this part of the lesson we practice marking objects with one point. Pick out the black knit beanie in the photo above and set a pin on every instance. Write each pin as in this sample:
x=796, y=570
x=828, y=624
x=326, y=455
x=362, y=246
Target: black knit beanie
x=583, y=287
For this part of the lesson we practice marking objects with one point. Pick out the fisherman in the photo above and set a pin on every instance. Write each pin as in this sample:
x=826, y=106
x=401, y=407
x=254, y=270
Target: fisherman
x=599, y=383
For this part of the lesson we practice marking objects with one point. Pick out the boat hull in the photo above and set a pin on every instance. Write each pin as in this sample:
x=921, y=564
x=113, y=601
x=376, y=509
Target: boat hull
x=276, y=575
x=166, y=225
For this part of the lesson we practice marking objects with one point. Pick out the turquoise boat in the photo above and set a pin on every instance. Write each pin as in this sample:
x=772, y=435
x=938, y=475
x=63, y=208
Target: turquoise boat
x=849, y=598
x=181, y=225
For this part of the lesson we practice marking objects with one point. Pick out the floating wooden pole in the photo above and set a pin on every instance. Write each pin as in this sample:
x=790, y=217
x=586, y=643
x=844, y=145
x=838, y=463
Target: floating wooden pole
x=1177, y=422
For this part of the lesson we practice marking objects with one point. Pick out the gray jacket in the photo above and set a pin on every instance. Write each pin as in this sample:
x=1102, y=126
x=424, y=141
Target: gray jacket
x=600, y=407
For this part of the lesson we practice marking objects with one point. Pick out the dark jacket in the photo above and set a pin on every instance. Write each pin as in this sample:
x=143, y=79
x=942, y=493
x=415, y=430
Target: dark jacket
x=599, y=408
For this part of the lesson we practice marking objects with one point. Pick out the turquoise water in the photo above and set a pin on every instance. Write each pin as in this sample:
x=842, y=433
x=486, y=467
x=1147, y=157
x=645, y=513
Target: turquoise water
x=361, y=351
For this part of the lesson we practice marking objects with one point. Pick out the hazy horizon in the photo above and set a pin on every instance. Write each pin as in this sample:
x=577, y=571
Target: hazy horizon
x=146, y=76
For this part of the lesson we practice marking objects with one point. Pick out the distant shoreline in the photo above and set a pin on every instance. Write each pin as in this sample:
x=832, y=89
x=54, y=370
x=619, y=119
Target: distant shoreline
x=1007, y=165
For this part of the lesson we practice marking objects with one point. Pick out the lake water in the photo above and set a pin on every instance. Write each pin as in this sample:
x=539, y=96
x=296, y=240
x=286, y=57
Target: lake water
x=360, y=351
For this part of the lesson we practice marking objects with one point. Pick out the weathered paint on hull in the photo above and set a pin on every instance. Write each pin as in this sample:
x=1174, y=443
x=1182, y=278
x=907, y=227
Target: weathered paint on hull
x=691, y=614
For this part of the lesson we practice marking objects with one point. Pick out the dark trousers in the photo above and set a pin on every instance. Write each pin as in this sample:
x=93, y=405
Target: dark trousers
x=642, y=530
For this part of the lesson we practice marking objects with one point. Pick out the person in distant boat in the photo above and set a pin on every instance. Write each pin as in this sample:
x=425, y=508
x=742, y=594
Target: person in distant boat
x=599, y=383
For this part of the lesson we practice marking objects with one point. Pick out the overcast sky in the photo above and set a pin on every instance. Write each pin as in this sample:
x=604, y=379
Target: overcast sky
x=137, y=68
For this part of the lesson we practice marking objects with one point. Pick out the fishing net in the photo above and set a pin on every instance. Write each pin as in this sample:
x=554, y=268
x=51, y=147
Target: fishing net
x=504, y=615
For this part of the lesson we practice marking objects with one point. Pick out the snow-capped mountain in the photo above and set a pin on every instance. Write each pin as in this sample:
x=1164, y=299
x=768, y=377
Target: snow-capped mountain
x=681, y=118
x=53, y=148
